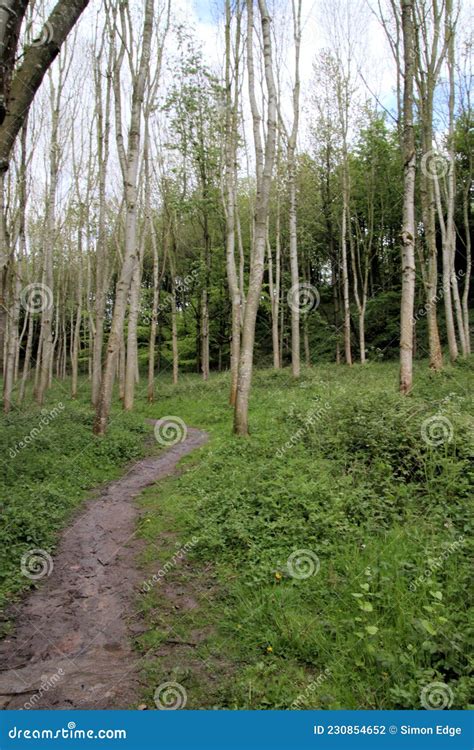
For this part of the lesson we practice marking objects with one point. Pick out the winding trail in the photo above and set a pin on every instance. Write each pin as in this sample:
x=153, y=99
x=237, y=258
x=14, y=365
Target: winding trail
x=71, y=644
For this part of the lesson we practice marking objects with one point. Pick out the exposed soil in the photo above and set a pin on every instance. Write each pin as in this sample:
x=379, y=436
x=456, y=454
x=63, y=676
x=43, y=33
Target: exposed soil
x=71, y=646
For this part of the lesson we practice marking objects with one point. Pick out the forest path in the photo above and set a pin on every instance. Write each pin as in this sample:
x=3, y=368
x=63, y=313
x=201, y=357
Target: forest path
x=71, y=644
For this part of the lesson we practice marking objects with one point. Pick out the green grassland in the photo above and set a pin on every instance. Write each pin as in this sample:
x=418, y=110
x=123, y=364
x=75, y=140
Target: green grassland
x=326, y=559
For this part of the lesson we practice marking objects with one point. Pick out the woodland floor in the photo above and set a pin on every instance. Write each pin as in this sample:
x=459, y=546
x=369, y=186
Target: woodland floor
x=79, y=625
x=187, y=579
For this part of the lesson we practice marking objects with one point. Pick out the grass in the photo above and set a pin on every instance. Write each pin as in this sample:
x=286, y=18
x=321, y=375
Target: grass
x=321, y=563
x=337, y=474
x=50, y=462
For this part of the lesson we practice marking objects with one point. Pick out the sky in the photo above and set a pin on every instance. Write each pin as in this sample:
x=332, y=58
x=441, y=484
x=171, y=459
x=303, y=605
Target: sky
x=205, y=17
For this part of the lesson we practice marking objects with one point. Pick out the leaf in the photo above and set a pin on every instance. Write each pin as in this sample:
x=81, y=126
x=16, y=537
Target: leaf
x=364, y=586
x=358, y=595
x=366, y=606
x=428, y=627
x=372, y=629
x=437, y=595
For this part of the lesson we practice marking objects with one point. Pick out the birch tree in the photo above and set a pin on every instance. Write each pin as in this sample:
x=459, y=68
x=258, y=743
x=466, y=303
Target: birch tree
x=232, y=91
x=430, y=49
x=408, y=221
x=103, y=103
x=265, y=146
x=292, y=138
x=18, y=87
x=129, y=155
x=44, y=362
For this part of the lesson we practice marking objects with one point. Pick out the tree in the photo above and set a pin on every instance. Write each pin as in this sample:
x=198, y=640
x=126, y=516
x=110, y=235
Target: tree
x=129, y=155
x=429, y=58
x=196, y=130
x=408, y=221
x=232, y=93
x=292, y=139
x=18, y=87
x=264, y=160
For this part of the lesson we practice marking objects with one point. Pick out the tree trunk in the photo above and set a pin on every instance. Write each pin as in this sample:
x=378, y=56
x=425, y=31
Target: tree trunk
x=132, y=328
x=264, y=169
x=465, y=294
x=293, y=222
x=154, y=313
x=230, y=197
x=408, y=223
x=345, y=279
x=431, y=280
x=101, y=266
x=76, y=333
x=129, y=164
x=174, y=331
x=294, y=270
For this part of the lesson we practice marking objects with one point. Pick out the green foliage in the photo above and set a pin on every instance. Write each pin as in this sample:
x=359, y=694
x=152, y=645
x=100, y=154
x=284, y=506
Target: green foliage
x=50, y=460
x=385, y=512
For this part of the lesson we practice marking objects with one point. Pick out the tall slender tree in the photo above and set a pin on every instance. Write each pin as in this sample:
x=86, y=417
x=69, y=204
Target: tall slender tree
x=408, y=221
x=265, y=148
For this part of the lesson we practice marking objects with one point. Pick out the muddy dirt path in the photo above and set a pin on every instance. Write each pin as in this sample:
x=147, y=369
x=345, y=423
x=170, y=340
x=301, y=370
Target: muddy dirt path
x=71, y=644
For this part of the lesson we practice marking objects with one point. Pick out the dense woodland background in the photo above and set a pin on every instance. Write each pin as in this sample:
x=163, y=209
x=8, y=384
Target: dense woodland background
x=134, y=195
x=265, y=216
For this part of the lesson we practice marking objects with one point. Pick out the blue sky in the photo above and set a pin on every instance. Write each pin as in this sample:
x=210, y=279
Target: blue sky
x=205, y=10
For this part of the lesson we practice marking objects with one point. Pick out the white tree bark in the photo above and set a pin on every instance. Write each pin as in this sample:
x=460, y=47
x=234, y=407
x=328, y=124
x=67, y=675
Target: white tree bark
x=264, y=157
x=129, y=160
x=408, y=223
